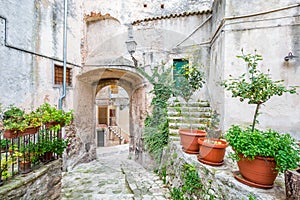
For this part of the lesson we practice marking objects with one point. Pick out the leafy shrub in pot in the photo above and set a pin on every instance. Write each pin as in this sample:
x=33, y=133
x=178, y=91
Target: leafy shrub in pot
x=251, y=143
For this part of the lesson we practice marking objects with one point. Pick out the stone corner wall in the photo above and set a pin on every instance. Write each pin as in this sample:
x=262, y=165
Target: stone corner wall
x=218, y=181
x=41, y=183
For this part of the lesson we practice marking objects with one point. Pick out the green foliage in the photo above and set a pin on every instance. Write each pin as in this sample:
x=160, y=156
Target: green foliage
x=258, y=88
x=4, y=144
x=50, y=113
x=16, y=119
x=55, y=145
x=6, y=161
x=192, y=182
x=13, y=111
x=163, y=174
x=191, y=80
x=156, y=132
x=251, y=142
x=177, y=194
x=192, y=187
x=281, y=147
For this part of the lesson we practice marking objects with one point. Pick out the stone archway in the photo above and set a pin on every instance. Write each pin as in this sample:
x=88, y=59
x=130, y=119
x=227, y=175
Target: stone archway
x=87, y=86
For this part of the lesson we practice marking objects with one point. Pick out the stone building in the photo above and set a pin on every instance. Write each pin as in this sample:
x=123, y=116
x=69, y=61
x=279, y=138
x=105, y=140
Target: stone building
x=208, y=32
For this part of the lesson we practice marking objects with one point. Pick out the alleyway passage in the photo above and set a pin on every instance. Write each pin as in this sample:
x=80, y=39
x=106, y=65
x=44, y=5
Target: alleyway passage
x=112, y=176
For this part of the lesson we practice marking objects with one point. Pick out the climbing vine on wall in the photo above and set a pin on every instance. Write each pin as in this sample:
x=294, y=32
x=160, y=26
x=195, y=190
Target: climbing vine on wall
x=156, y=130
x=192, y=186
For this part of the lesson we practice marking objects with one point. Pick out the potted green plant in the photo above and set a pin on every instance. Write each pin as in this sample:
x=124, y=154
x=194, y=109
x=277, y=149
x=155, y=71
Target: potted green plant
x=212, y=148
x=4, y=144
x=54, y=118
x=18, y=123
x=7, y=160
x=270, y=151
x=190, y=81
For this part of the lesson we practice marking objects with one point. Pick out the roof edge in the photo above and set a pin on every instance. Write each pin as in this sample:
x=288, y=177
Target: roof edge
x=184, y=14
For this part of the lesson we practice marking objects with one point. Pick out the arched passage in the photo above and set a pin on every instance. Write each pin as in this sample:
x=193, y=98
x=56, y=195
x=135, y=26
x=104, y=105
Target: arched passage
x=87, y=86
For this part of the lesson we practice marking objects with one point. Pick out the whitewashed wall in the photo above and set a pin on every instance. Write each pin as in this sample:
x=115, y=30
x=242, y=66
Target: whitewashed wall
x=31, y=43
x=273, y=31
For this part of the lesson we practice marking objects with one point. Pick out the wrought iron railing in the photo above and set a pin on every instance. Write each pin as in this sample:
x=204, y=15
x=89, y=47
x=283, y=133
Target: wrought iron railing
x=23, y=152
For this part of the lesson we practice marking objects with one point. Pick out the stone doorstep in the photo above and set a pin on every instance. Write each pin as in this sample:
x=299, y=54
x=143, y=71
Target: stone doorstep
x=222, y=176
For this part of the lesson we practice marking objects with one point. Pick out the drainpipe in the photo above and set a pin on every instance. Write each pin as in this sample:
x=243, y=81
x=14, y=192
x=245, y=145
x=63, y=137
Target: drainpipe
x=64, y=56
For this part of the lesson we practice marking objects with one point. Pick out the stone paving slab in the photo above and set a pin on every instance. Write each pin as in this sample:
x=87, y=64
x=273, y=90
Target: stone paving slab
x=112, y=176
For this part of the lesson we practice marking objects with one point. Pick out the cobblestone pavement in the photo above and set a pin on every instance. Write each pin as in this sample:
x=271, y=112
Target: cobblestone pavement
x=112, y=176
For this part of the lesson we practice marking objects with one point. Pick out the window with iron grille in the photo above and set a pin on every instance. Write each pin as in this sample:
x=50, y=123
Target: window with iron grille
x=58, y=75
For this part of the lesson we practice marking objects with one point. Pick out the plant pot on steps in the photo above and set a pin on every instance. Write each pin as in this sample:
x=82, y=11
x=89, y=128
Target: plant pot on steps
x=212, y=151
x=189, y=140
x=259, y=172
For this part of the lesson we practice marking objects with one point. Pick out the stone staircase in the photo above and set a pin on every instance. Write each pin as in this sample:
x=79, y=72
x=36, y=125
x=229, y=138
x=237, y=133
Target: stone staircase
x=116, y=133
x=195, y=115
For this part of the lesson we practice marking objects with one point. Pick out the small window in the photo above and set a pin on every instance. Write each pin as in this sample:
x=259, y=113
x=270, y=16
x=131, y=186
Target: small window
x=145, y=5
x=162, y=6
x=58, y=75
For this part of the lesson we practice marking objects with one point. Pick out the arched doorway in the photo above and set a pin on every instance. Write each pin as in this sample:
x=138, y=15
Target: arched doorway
x=112, y=116
x=88, y=84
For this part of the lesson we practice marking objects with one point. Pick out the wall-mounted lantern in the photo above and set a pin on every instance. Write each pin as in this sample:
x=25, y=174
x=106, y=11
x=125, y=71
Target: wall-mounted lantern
x=131, y=45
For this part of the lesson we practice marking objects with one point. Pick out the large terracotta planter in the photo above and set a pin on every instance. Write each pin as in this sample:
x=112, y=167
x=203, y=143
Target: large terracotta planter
x=189, y=140
x=212, y=151
x=13, y=134
x=259, y=172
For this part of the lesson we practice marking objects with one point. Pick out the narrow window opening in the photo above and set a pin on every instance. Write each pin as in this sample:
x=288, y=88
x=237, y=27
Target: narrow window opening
x=145, y=5
x=58, y=75
x=162, y=6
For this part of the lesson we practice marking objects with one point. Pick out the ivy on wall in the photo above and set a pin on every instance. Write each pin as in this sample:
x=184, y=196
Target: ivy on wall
x=156, y=132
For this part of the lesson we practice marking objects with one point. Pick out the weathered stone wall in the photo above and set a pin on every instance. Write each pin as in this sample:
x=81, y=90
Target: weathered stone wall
x=219, y=179
x=41, y=183
x=32, y=44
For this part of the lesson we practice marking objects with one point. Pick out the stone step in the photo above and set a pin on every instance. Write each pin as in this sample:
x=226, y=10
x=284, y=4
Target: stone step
x=179, y=120
x=186, y=125
x=190, y=114
x=189, y=109
x=190, y=104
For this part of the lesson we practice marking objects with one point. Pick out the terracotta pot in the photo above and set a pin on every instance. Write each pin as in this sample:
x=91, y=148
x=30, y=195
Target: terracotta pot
x=212, y=152
x=25, y=166
x=53, y=123
x=189, y=140
x=13, y=134
x=260, y=171
x=47, y=156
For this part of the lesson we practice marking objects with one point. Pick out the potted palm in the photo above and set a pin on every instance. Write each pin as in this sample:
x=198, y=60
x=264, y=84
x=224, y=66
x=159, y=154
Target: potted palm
x=268, y=150
x=190, y=81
